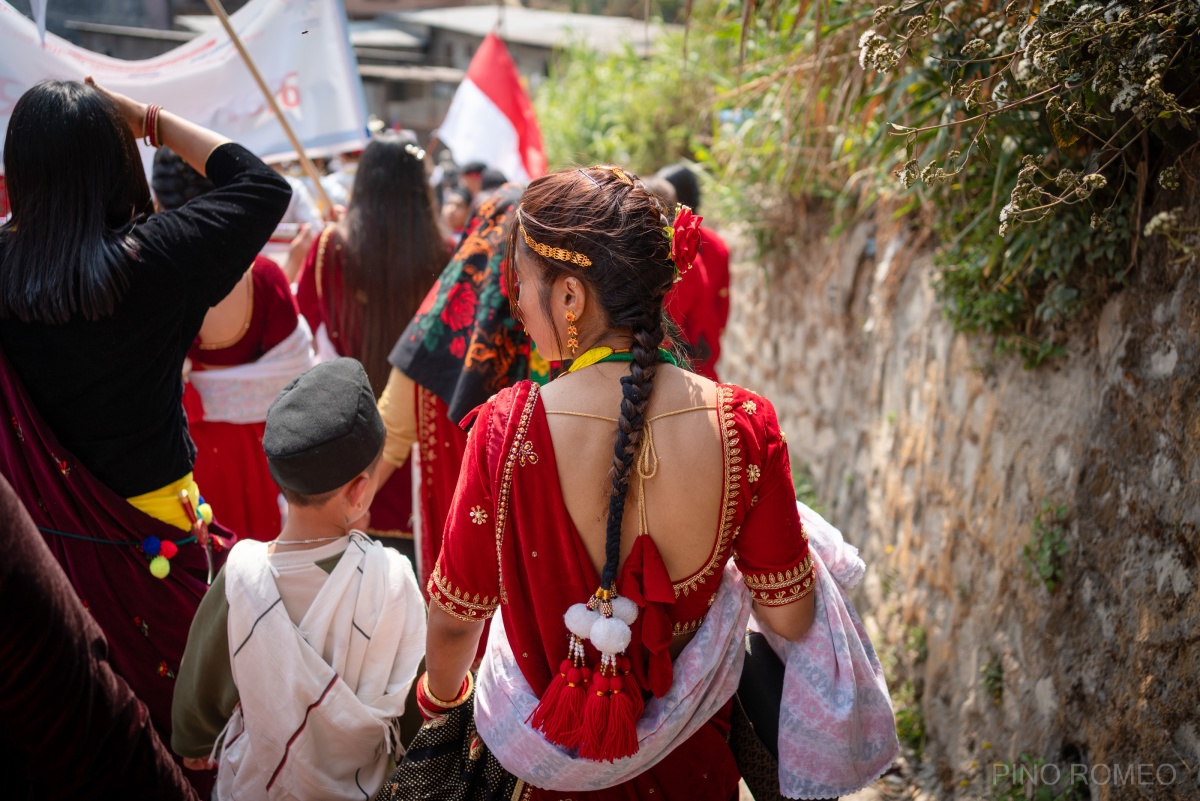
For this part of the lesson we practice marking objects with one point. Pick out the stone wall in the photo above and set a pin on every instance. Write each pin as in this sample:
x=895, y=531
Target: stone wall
x=935, y=457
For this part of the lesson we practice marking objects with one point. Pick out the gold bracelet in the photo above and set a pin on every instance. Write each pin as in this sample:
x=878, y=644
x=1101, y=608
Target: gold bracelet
x=448, y=705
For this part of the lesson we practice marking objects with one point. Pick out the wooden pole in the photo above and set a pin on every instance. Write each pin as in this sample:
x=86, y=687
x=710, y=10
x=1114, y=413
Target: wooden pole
x=310, y=169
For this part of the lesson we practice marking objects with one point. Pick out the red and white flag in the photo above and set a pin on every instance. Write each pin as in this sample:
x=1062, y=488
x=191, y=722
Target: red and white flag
x=491, y=119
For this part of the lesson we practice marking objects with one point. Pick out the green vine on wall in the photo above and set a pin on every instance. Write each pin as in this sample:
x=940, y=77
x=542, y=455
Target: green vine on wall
x=1050, y=125
x=1031, y=138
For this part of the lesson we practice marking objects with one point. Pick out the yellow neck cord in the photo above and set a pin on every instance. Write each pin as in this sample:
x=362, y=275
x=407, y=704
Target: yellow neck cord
x=590, y=357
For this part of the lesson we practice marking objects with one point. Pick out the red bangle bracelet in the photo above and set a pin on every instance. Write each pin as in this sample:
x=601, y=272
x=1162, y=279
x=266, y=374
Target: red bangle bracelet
x=430, y=706
x=150, y=126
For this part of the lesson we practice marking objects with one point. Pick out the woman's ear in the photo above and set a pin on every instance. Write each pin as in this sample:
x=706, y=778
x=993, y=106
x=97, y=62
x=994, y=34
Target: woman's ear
x=573, y=294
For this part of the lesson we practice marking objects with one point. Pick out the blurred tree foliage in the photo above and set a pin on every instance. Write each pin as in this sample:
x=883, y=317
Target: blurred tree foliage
x=1031, y=138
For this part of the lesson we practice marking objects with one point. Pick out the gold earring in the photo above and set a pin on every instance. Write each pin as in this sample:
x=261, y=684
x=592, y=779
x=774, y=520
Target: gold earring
x=572, y=333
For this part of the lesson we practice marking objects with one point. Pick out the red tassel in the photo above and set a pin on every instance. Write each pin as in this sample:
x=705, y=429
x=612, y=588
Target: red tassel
x=559, y=718
x=551, y=697
x=622, y=726
x=631, y=687
x=594, y=732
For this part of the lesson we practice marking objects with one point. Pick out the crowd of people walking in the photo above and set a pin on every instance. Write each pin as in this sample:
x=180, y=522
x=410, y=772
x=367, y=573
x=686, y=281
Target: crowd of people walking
x=459, y=509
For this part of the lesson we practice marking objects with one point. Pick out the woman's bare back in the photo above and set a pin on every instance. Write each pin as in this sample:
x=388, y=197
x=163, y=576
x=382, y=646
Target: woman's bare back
x=683, y=498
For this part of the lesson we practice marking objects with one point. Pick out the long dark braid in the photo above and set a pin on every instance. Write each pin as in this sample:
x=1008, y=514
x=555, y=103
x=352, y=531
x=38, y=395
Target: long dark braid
x=612, y=218
x=635, y=391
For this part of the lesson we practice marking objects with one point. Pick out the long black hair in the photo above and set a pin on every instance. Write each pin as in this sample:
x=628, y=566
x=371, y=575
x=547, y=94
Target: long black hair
x=611, y=217
x=75, y=183
x=394, y=250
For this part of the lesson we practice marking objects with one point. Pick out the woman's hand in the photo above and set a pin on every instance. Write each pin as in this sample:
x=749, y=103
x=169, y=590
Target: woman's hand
x=133, y=112
x=298, y=252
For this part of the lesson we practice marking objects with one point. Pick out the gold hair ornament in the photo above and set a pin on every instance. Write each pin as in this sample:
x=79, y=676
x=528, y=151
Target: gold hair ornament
x=545, y=251
x=617, y=171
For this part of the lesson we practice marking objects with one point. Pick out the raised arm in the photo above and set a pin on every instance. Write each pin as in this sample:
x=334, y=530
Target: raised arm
x=211, y=240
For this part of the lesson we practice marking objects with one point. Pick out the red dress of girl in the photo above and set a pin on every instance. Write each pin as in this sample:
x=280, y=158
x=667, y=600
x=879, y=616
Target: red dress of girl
x=319, y=289
x=511, y=545
x=230, y=463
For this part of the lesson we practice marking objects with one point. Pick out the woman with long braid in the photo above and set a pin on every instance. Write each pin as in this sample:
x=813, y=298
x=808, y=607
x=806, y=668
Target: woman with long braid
x=610, y=670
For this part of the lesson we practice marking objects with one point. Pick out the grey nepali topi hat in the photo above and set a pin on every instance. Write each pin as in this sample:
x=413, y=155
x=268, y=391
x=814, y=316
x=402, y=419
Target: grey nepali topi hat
x=323, y=429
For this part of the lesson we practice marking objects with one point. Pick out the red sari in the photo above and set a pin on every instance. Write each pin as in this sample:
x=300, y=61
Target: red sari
x=715, y=253
x=442, y=445
x=96, y=536
x=319, y=289
x=510, y=544
x=230, y=463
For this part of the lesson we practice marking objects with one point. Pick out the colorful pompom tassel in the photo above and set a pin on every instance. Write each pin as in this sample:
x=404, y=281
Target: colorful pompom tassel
x=160, y=567
x=594, y=712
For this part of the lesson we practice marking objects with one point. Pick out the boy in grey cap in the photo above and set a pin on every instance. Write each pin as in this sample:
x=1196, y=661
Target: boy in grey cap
x=303, y=650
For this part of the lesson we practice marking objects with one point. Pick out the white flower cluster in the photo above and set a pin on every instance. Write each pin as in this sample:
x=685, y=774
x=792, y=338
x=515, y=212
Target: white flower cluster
x=1114, y=11
x=875, y=53
x=1164, y=223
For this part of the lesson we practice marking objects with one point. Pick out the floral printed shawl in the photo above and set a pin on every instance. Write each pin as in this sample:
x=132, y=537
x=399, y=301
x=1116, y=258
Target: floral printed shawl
x=464, y=344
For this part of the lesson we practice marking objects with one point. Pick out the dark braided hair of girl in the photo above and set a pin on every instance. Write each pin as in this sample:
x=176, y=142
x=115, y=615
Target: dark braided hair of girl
x=609, y=216
x=174, y=182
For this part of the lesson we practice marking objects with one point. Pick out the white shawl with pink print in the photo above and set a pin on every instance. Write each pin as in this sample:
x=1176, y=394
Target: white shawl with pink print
x=837, y=732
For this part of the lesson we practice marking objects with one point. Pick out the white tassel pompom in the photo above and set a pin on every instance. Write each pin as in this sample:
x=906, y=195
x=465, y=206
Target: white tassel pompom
x=580, y=619
x=611, y=635
x=625, y=610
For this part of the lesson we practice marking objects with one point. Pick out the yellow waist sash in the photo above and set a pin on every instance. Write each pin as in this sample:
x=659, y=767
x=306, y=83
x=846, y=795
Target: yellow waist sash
x=163, y=503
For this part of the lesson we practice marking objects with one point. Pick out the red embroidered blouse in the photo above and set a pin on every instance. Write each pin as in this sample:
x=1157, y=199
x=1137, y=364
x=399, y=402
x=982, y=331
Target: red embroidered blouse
x=509, y=540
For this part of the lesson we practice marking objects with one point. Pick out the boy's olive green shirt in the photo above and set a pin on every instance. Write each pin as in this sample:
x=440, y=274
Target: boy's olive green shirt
x=205, y=695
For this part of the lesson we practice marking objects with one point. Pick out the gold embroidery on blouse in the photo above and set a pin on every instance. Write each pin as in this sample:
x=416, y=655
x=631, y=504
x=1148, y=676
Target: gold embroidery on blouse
x=510, y=464
x=750, y=406
x=777, y=589
x=753, y=473
x=680, y=629
x=456, y=602
x=733, y=466
x=527, y=454
x=479, y=515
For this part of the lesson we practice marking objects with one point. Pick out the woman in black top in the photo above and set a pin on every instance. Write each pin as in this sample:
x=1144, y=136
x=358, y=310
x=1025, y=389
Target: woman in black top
x=99, y=303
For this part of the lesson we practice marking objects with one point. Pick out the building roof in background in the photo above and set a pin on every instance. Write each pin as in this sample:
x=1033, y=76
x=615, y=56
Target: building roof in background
x=377, y=34
x=412, y=73
x=538, y=28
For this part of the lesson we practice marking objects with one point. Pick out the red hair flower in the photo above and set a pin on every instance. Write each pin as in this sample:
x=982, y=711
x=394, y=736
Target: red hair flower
x=685, y=239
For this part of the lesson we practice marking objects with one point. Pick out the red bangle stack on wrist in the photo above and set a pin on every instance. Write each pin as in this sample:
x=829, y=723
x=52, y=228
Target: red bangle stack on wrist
x=150, y=127
x=430, y=706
